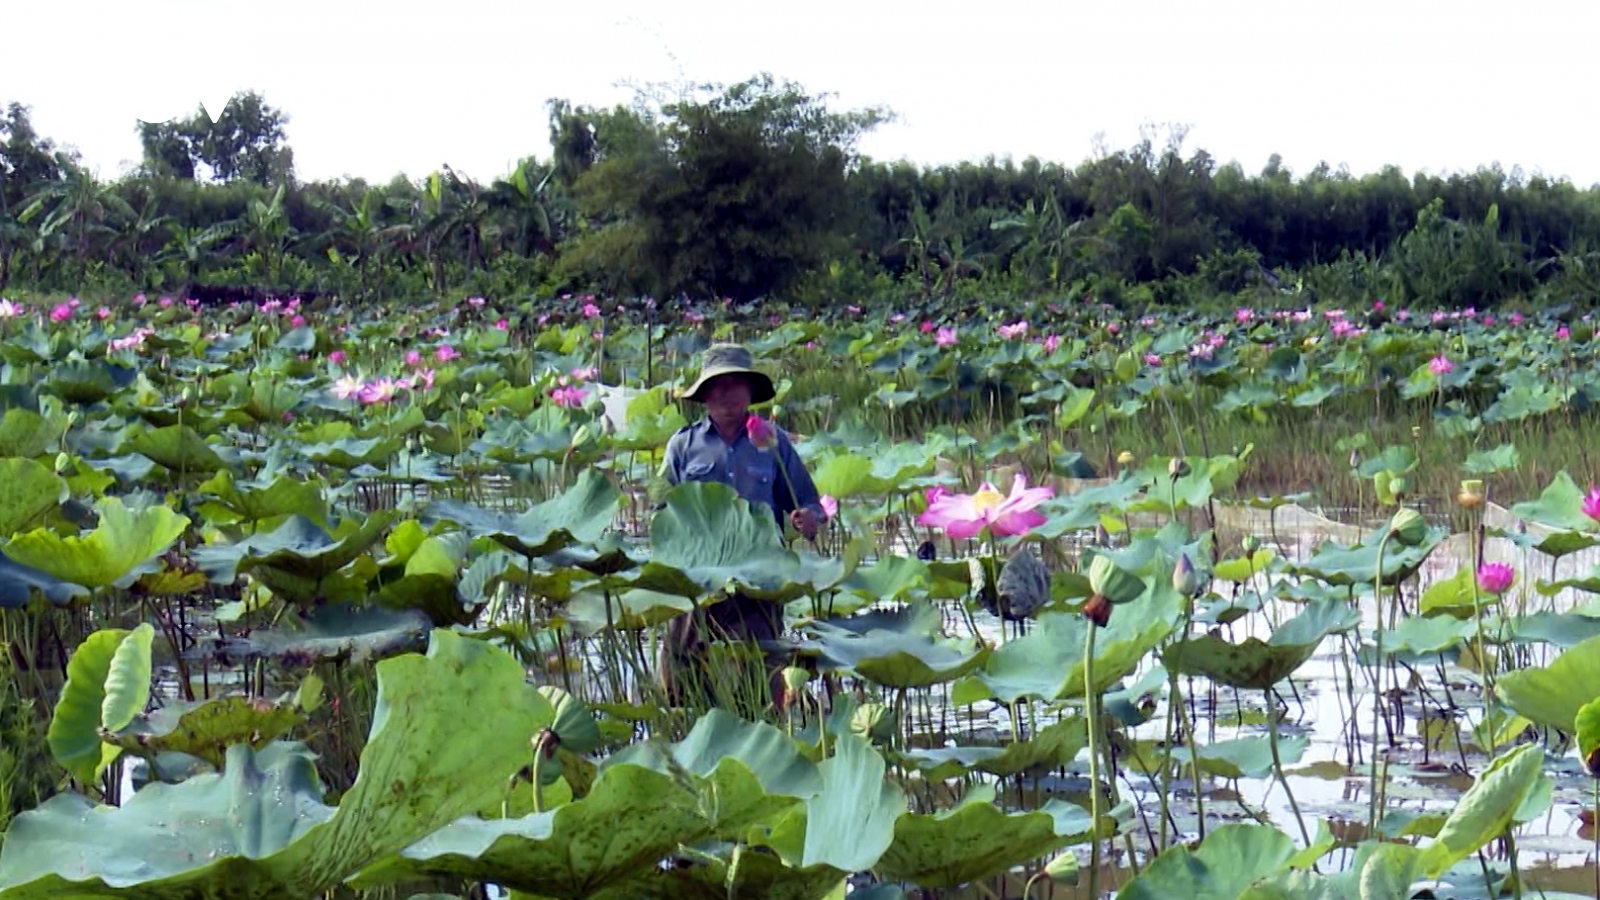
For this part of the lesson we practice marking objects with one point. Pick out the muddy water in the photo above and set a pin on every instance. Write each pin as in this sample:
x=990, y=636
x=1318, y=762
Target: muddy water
x=1330, y=781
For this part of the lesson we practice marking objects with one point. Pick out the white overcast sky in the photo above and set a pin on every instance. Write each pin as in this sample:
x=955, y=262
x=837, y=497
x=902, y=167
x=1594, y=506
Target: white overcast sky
x=378, y=88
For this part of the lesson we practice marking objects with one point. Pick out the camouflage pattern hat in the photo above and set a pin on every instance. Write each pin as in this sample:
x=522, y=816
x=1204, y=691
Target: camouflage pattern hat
x=729, y=359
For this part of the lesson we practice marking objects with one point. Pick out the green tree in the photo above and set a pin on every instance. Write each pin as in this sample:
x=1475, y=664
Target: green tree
x=247, y=142
x=734, y=195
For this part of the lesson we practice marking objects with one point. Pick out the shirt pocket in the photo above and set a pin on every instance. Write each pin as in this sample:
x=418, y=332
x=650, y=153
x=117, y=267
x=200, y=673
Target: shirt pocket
x=754, y=476
x=700, y=470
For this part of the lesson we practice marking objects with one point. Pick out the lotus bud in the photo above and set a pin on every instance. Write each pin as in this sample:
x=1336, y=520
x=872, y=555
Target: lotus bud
x=1125, y=458
x=777, y=412
x=63, y=462
x=411, y=444
x=581, y=436
x=1097, y=609
x=1250, y=544
x=1111, y=581
x=795, y=678
x=1063, y=869
x=1416, y=432
x=1355, y=459
x=186, y=398
x=1178, y=467
x=1398, y=486
x=1471, y=494
x=1408, y=527
x=1184, y=578
x=465, y=398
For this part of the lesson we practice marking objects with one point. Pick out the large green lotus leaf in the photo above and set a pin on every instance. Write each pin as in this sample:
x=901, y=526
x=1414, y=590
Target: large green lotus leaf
x=976, y=840
x=881, y=472
x=177, y=447
x=342, y=632
x=1054, y=746
x=28, y=490
x=108, y=683
x=887, y=579
x=298, y=547
x=1419, y=636
x=448, y=730
x=1587, y=728
x=895, y=658
x=1551, y=696
x=350, y=452
x=579, y=514
x=85, y=381
x=1257, y=664
x=1358, y=563
x=632, y=819
x=1230, y=859
x=772, y=756
x=208, y=728
x=19, y=584
x=254, y=501
x=759, y=875
x=1246, y=757
x=1559, y=506
x=25, y=433
x=851, y=822
x=707, y=538
x=124, y=545
x=1047, y=662
x=1559, y=629
x=1512, y=789
x=630, y=610
x=1554, y=543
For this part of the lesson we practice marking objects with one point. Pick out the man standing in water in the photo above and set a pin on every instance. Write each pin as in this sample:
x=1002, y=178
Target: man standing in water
x=717, y=448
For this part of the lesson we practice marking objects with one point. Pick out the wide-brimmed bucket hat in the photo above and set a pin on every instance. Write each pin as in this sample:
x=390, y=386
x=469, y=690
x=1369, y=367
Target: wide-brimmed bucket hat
x=730, y=359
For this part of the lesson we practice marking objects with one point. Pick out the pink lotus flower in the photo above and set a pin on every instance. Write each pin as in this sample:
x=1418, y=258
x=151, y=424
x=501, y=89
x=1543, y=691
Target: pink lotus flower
x=9, y=310
x=1563, y=333
x=103, y=313
x=382, y=390
x=164, y=302
x=946, y=337
x=933, y=494
x=692, y=316
x=61, y=313
x=1113, y=328
x=502, y=325
x=570, y=396
x=1013, y=331
x=1517, y=318
x=1441, y=365
x=1243, y=314
x=1377, y=305
x=336, y=357
x=1150, y=359
x=760, y=432
x=346, y=387
x=1591, y=503
x=584, y=373
x=1051, y=343
x=475, y=301
x=1496, y=577
x=423, y=380
x=297, y=322
x=968, y=515
x=830, y=506
x=590, y=311
x=413, y=358
x=895, y=319
x=927, y=327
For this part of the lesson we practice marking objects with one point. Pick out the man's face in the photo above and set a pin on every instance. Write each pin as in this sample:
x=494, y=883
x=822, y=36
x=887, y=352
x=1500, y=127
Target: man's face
x=728, y=401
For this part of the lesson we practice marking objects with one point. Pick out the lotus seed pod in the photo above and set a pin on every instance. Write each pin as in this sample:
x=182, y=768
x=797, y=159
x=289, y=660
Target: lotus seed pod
x=1408, y=527
x=1471, y=494
x=1250, y=544
x=1416, y=432
x=1125, y=458
x=1063, y=869
x=1178, y=467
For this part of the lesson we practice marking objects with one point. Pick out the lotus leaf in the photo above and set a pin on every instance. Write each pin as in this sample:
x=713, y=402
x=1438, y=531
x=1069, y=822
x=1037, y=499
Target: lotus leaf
x=579, y=514
x=897, y=659
x=1225, y=865
x=757, y=875
x=18, y=584
x=1551, y=696
x=177, y=447
x=1053, y=747
x=1560, y=505
x=207, y=729
x=108, y=683
x=28, y=490
x=256, y=501
x=343, y=632
x=1259, y=664
x=976, y=840
x=298, y=548
x=122, y=547
x=1586, y=726
x=849, y=825
x=1342, y=566
x=1511, y=790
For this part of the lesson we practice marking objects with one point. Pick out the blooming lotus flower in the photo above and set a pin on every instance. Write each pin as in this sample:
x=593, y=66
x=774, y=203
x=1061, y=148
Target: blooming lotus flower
x=1151, y=359
x=584, y=373
x=760, y=432
x=475, y=301
x=1591, y=503
x=423, y=380
x=1243, y=314
x=570, y=396
x=1516, y=318
x=830, y=506
x=1013, y=331
x=382, y=390
x=1496, y=577
x=61, y=312
x=967, y=515
x=1113, y=328
x=590, y=311
x=413, y=358
x=298, y=321
x=1377, y=305
x=895, y=319
x=346, y=387
x=1563, y=333
x=336, y=357
x=502, y=325
x=946, y=337
x=103, y=313
x=9, y=310
x=1051, y=343
x=164, y=302
x=1441, y=365
x=927, y=326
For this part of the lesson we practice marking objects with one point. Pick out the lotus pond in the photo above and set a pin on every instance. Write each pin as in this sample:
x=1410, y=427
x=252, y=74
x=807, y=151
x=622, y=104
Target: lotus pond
x=307, y=601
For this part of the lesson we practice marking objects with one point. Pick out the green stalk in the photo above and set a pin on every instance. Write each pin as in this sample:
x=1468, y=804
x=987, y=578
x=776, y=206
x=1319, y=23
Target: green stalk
x=1377, y=683
x=1091, y=698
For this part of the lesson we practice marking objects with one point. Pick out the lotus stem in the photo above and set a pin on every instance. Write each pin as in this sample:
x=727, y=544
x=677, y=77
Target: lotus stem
x=1091, y=699
x=1277, y=764
x=1377, y=685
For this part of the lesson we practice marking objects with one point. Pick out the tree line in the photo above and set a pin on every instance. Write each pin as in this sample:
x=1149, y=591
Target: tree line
x=759, y=190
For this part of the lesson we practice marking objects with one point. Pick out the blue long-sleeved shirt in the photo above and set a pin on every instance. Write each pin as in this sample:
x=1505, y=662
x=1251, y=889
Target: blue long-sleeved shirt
x=697, y=452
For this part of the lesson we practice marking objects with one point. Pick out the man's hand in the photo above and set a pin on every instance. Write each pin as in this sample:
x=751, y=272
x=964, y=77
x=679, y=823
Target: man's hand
x=805, y=522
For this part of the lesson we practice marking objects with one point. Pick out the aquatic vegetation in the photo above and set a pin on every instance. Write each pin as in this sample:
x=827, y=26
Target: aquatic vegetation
x=307, y=601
